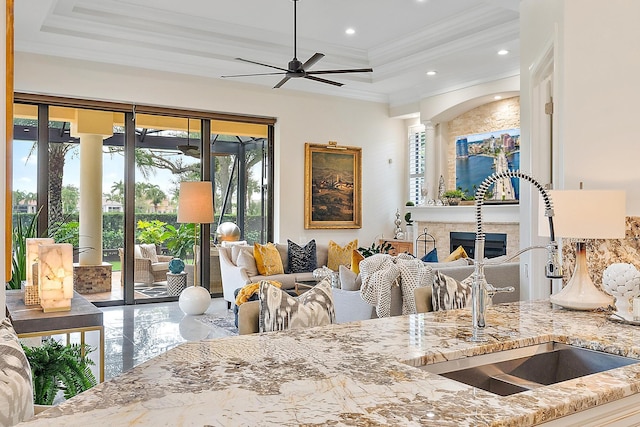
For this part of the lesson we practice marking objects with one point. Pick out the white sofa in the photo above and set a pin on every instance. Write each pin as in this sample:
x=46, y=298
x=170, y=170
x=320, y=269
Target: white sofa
x=235, y=276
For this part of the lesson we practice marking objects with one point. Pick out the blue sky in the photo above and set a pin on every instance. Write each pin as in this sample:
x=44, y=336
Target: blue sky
x=25, y=171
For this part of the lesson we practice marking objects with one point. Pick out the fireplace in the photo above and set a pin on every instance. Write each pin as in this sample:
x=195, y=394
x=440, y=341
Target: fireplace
x=495, y=244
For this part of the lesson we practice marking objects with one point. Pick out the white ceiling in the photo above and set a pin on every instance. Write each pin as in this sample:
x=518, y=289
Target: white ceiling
x=399, y=39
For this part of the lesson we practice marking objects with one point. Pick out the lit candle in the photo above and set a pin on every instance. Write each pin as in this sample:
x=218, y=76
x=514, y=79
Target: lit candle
x=636, y=309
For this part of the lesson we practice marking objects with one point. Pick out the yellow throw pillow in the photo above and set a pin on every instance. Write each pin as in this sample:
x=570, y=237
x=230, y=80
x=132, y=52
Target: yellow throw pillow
x=457, y=254
x=340, y=255
x=356, y=257
x=268, y=259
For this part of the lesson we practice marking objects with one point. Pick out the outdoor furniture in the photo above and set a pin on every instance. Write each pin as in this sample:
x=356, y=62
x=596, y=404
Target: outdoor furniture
x=149, y=267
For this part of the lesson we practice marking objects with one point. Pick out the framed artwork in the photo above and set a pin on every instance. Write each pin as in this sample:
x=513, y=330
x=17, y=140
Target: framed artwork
x=332, y=186
x=479, y=155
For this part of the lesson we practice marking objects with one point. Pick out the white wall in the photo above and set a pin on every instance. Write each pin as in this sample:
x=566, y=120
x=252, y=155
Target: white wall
x=300, y=118
x=595, y=82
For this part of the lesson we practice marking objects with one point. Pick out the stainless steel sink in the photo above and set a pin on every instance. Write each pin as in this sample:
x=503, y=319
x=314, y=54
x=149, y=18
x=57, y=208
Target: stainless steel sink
x=513, y=371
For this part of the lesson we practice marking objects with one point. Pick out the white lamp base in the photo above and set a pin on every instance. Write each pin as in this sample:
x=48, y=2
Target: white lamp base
x=194, y=300
x=580, y=293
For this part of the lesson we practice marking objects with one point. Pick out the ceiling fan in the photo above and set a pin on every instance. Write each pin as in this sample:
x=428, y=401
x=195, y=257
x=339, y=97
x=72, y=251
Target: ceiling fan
x=296, y=69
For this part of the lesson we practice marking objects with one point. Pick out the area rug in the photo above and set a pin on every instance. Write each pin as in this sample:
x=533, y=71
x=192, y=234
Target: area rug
x=226, y=325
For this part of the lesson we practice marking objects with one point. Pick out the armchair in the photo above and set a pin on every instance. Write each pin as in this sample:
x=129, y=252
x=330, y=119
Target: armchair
x=149, y=267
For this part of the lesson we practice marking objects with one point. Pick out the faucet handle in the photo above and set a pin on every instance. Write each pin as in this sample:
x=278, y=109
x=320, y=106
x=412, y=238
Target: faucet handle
x=492, y=290
x=553, y=269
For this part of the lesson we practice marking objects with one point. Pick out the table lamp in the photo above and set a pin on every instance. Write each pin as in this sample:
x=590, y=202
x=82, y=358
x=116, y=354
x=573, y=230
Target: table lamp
x=195, y=205
x=581, y=215
x=55, y=276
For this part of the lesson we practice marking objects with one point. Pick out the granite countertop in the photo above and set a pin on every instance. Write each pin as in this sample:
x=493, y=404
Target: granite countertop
x=357, y=374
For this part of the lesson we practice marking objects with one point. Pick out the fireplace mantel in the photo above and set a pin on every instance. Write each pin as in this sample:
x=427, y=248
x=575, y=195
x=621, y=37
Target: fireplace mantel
x=504, y=214
x=440, y=221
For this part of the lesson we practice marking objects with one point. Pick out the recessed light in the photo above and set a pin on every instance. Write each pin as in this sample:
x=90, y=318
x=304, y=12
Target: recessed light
x=503, y=52
x=431, y=73
x=350, y=31
x=497, y=97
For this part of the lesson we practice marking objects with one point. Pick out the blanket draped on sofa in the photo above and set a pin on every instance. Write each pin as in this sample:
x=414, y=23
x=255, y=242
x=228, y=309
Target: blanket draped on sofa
x=380, y=272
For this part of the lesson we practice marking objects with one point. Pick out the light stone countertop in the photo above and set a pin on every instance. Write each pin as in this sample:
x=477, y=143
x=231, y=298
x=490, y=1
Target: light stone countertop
x=357, y=374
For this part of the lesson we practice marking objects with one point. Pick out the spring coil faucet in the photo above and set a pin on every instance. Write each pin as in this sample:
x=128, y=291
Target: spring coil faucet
x=481, y=291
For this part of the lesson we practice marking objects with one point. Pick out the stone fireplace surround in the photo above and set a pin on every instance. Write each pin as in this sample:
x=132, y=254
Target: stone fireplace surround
x=440, y=221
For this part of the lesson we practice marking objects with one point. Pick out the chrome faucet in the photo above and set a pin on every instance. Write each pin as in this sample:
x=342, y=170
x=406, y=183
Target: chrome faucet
x=481, y=291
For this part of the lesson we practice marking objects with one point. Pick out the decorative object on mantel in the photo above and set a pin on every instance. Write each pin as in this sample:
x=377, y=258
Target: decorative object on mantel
x=441, y=188
x=55, y=276
x=622, y=280
x=398, y=234
x=576, y=218
x=453, y=197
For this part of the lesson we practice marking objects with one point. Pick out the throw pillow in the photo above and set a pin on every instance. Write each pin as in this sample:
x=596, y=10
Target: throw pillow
x=450, y=294
x=15, y=378
x=301, y=259
x=457, y=254
x=246, y=292
x=349, y=281
x=268, y=259
x=280, y=311
x=149, y=251
x=245, y=259
x=340, y=255
x=432, y=256
x=356, y=257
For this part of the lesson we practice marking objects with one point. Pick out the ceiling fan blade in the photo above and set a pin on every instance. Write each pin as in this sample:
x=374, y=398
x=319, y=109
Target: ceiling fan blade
x=318, y=79
x=257, y=74
x=260, y=63
x=354, y=70
x=281, y=82
x=311, y=61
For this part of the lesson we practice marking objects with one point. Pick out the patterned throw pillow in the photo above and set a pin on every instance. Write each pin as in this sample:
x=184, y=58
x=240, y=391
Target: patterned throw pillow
x=450, y=294
x=340, y=255
x=279, y=311
x=268, y=259
x=15, y=379
x=301, y=259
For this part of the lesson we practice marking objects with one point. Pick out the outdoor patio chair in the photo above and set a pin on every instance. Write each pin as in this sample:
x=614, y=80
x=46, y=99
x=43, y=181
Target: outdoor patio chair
x=149, y=267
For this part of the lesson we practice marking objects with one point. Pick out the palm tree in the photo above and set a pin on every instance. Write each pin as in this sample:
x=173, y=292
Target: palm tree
x=155, y=195
x=70, y=198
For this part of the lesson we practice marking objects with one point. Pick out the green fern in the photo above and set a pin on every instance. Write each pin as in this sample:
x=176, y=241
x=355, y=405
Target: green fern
x=57, y=367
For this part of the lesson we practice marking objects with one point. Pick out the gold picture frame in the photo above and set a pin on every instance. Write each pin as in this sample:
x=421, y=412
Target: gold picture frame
x=332, y=186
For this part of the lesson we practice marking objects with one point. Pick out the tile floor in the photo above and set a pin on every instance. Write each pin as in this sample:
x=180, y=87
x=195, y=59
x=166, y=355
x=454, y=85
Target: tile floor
x=136, y=333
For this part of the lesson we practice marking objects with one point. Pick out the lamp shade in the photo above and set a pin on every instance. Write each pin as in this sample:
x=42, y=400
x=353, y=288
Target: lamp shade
x=195, y=203
x=587, y=214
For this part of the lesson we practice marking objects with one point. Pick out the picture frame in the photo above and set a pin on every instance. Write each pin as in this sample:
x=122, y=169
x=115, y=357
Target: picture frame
x=332, y=186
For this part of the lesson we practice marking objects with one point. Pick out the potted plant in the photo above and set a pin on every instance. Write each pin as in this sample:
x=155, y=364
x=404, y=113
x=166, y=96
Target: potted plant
x=453, y=197
x=56, y=367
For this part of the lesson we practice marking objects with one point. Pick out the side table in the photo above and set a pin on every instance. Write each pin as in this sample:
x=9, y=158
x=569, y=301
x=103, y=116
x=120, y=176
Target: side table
x=31, y=322
x=176, y=283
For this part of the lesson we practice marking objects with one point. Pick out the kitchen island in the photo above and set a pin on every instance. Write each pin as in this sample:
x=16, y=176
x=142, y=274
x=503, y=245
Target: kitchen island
x=361, y=373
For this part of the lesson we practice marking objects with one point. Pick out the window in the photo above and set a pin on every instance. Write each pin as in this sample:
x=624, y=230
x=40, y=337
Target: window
x=416, y=163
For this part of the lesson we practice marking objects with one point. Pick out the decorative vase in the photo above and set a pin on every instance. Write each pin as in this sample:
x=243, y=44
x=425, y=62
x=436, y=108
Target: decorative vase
x=194, y=300
x=176, y=266
x=622, y=280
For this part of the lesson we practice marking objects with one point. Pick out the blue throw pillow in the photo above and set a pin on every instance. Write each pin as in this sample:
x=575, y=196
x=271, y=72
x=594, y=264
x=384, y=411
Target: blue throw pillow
x=432, y=256
x=301, y=259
